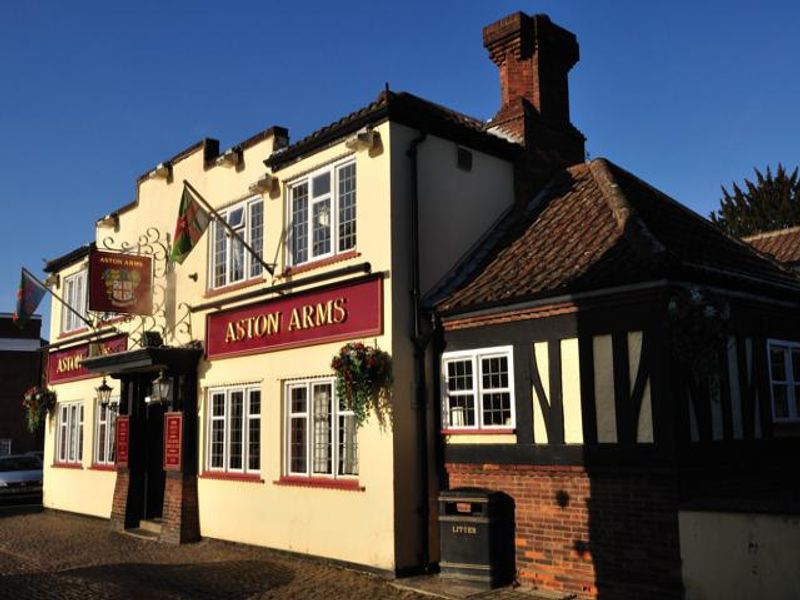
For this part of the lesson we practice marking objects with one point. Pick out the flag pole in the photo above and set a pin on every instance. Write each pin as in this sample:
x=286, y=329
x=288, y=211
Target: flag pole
x=57, y=297
x=230, y=229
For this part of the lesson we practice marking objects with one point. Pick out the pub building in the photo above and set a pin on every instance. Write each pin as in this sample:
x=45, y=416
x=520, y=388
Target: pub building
x=522, y=295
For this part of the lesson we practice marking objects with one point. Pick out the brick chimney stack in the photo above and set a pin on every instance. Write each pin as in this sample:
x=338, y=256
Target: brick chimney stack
x=534, y=57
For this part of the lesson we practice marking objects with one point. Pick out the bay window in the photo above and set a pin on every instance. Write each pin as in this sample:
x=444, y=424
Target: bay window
x=784, y=374
x=230, y=261
x=478, y=389
x=322, y=212
x=234, y=430
x=320, y=431
x=69, y=440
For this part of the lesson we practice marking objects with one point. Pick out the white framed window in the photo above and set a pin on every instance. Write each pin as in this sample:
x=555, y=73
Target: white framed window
x=230, y=262
x=234, y=430
x=5, y=446
x=69, y=443
x=478, y=389
x=75, y=293
x=784, y=375
x=321, y=436
x=322, y=213
x=104, y=426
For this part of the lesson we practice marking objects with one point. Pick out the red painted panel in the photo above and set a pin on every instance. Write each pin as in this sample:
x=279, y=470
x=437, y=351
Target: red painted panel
x=123, y=426
x=67, y=365
x=120, y=283
x=173, y=437
x=336, y=313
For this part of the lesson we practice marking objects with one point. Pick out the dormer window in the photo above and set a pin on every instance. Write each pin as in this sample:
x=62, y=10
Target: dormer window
x=322, y=209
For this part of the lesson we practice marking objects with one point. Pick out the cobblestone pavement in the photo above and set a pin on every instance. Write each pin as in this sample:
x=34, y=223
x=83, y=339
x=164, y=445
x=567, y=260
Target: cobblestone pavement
x=60, y=556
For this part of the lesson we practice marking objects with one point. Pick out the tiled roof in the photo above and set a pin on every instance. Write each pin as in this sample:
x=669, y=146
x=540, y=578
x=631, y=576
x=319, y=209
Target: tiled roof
x=783, y=244
x=596, y=226
x=405, y=108
x=70, y=258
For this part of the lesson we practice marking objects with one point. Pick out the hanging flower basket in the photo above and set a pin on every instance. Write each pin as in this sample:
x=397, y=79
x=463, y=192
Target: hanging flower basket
x=38, y=402
x=363, y=381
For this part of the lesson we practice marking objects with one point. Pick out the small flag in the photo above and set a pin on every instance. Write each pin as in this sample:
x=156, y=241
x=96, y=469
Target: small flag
x=29, y=295
x=192, y=222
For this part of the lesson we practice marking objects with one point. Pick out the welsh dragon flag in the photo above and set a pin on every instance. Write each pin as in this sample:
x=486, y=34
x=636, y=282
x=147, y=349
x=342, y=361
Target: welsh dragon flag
x=192, y=222
x=29, y=295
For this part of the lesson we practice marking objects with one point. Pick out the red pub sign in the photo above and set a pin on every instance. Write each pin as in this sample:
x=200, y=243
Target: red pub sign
x=120, y=283
x=173, y=435
x=336, y=313
x=123, y=432
x=67, y=365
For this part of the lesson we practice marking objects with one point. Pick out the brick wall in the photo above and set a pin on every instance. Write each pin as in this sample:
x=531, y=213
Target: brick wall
x=180, y=516
x=119, y=505
x=601, y=534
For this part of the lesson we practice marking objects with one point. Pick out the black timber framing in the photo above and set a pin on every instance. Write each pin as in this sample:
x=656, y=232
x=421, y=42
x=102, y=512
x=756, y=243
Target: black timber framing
x=757, y=320
x=647, y=316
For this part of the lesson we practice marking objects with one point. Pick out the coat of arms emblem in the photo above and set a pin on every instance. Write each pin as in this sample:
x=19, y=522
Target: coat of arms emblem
x=120, y=285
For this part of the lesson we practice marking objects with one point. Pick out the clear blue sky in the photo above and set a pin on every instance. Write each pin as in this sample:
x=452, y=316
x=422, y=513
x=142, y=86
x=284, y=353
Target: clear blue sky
x=687, y=95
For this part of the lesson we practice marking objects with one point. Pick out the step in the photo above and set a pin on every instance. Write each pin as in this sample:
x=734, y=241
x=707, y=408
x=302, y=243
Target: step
x=152, y=525
x=142, y=534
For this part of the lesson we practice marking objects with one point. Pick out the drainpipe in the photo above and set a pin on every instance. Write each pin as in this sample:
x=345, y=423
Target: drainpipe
x=419, y=342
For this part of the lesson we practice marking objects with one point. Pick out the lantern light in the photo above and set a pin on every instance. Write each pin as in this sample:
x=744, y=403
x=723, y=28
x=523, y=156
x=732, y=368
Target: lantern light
x=162, y=386
x=104, y=393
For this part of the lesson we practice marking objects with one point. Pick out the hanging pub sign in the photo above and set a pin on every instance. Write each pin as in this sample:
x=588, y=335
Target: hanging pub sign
x=120, y=283
x=341, y=312
x=123, y=431
x=173, y=436
x=67, y=365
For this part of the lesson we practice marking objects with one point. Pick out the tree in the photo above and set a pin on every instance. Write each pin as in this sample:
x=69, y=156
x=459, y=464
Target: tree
x=771, y=202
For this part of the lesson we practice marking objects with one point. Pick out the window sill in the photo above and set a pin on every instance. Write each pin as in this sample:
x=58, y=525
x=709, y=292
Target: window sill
x=246, y=477
x=323, y=262
x=499, y=431
x=212, y=293
x=784, y=428
x=350, y=485
x=72, y=332
x=96, y=467
x=66, y=466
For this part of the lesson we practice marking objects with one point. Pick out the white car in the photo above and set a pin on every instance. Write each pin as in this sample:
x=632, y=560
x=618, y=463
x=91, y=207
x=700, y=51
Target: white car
x=20, y=479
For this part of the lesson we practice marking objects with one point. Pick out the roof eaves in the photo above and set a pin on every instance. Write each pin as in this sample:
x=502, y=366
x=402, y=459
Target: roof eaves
x=406, y=109
x=70, y=258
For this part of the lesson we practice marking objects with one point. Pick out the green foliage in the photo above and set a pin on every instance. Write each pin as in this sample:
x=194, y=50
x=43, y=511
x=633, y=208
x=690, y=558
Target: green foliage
x=37, y=402
x=771, y=202
x=363, y=381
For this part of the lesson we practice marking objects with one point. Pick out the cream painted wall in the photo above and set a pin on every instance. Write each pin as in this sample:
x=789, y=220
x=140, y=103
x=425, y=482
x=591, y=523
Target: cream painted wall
x=571, y=391
x=604, y=389
x=83, y=490
x=456, y=206
x=356, y=526
x=543, y=365
x=739, y=556
x=644, y=428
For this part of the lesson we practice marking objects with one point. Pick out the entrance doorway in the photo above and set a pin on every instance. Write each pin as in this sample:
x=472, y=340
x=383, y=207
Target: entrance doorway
x=153, y=462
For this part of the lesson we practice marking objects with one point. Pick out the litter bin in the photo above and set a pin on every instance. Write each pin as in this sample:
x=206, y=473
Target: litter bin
x=476, y=535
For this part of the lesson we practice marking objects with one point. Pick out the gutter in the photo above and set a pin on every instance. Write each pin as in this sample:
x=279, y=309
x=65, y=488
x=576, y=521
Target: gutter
x=420, y=342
